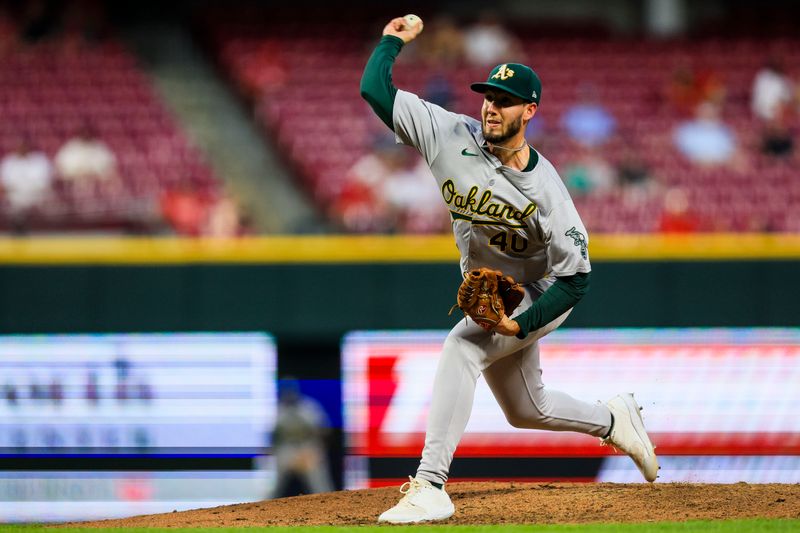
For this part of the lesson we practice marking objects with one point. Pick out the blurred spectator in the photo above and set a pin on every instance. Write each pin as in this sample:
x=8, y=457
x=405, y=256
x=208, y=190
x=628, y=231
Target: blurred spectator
x=487, y=42
x=438, y=90
x=359, y=206
x=263, y=71
x=676, y=215
x=690, y=87
x=632, y=171
x=298, y=443
x=634, y=178
x=198, y=213
x=224, y=219
x=443, y=44
x=390, y=190
x=681, y=92
x=772, y=99
x=777, y=139
x=772, y=92
x=588, y=122
x=705, y=140
x=86, y=161
x=588, y=173
x=539, y=135
x=185, y=210
x=27, y=177
x=414, y=201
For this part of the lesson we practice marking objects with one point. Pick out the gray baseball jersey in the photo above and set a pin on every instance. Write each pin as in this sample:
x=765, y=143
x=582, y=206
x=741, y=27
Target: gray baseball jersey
x=522, y=223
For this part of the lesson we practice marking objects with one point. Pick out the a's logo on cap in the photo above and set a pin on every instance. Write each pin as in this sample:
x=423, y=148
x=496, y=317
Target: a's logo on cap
x=533, y=94
x=503, y=73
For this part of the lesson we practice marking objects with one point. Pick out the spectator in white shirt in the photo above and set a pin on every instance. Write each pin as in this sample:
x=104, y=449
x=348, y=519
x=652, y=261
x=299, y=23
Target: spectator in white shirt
x=26, y=176
x=772, y=92
x=487, y=42
x=86, y=160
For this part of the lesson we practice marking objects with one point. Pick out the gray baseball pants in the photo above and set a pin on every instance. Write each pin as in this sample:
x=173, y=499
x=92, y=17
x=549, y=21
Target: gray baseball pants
x=512, y=371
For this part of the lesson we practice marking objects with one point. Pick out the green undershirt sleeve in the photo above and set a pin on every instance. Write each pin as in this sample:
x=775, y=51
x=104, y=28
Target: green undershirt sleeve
x=376, y=82
x=562, y=295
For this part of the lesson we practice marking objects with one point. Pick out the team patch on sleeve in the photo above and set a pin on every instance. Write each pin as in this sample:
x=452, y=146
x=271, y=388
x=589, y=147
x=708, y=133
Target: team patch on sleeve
x=579, y=239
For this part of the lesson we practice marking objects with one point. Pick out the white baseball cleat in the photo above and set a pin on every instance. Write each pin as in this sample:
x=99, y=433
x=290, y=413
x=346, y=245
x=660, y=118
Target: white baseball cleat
x=628, y=435
x=422, y=502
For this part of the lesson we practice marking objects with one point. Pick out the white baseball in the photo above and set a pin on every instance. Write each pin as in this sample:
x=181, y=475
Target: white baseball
x=411, y=21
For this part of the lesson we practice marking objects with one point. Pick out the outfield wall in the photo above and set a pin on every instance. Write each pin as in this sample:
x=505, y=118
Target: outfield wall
x=321, y=302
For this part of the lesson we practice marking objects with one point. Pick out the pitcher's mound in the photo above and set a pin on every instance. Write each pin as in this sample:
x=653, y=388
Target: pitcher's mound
x=492, y=503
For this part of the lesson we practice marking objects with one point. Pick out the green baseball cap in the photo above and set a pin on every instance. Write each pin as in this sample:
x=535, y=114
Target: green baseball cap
x=513, y=78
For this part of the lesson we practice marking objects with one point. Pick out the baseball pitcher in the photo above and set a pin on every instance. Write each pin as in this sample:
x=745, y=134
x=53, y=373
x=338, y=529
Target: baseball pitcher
x=510, y=213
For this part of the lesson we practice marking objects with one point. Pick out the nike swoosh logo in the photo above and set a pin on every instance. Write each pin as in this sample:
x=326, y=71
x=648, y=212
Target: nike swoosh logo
x=464, y=152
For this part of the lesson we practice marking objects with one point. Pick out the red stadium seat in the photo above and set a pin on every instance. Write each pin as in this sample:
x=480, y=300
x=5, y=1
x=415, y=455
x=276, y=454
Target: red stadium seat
x=323, y=74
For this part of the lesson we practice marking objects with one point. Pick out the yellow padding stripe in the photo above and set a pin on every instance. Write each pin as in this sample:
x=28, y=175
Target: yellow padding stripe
x=694, y=247
x=375, y=249
x=278, y=249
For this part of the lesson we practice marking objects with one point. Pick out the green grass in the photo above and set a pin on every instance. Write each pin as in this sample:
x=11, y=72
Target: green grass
x=757, y=526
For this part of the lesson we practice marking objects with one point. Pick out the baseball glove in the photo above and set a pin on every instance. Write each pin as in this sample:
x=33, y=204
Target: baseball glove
x=486, y=295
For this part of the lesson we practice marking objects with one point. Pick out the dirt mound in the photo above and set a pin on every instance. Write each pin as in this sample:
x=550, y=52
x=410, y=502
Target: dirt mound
x=492, y=503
